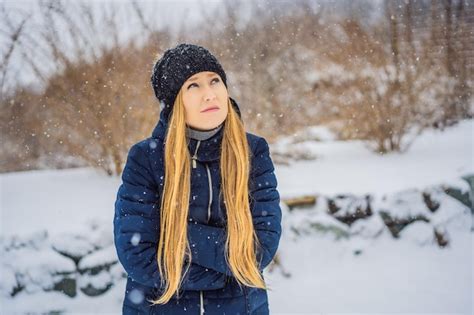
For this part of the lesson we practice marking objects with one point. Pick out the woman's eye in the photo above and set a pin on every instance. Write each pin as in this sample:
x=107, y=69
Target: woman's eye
x=215, y=79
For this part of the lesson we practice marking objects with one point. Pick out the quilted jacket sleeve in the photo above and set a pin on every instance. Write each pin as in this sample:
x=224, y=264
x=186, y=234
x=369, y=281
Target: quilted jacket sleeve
x=208, y=242
x=136, y=228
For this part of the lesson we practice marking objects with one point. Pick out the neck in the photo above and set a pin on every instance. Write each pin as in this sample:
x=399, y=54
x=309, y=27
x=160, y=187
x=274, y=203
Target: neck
x=198, y=134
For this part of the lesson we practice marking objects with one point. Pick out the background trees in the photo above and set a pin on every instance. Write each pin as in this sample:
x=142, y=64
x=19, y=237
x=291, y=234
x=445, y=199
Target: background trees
x=376, y=71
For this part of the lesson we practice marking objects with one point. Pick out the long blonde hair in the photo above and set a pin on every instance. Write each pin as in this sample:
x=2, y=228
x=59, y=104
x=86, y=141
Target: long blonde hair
x=234, y=170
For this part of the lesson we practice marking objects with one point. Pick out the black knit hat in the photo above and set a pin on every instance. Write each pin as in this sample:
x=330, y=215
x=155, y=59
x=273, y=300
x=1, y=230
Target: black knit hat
x=175, y=67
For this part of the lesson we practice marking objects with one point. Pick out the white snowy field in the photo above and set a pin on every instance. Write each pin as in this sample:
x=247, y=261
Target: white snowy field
x=388, y=275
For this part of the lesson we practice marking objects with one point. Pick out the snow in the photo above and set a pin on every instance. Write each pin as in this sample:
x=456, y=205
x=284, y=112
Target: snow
x=51, y=217
x=368, y=228
x=72, y=197
x=101, y=257
x=35, y=267
x=348, y=166
x=419, y=232
x=390, y=276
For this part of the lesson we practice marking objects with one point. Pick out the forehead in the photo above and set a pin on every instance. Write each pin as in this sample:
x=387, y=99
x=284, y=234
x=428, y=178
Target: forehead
x=200, y=75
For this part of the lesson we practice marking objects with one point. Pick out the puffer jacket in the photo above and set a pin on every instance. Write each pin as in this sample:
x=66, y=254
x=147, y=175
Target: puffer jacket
x=209, y=286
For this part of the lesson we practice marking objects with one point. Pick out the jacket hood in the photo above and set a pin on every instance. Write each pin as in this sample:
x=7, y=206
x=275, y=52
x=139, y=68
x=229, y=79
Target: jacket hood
x=208, y=150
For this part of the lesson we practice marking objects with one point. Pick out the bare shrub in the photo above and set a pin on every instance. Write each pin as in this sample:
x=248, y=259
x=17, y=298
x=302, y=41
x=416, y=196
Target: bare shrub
x=92, y=109
x=289, y=65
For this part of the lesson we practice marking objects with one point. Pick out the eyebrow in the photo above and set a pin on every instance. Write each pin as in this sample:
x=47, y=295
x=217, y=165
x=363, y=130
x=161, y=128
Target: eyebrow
x=208, y=75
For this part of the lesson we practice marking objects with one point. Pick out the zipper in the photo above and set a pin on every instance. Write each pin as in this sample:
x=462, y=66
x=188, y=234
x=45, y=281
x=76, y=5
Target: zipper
x=194, y=158
x=201, y=309
x=210, y=193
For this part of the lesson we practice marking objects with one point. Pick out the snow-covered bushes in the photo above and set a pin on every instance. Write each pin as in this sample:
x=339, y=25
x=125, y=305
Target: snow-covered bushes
x=84, y=260
x=424, y=216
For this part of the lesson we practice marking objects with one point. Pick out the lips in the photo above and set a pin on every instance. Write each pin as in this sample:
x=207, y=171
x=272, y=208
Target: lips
x=209, y=108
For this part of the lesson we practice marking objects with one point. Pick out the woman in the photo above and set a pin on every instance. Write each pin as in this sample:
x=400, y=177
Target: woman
x=197, y=216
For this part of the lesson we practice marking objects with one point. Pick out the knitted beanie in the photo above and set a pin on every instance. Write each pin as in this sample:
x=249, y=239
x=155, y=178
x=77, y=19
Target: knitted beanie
x=175, y=67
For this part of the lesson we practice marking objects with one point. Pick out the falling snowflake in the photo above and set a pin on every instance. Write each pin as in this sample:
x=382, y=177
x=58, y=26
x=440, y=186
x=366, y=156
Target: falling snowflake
x=135, y=239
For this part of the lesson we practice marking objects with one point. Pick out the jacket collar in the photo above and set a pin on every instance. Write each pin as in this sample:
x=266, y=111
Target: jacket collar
x=208, y=150
x=201, y=134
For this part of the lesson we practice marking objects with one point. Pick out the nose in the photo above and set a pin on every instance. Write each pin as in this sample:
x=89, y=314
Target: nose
x=209, y=94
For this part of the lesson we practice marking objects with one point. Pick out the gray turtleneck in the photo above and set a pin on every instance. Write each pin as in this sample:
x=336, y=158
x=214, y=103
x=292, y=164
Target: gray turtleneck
x=201, y=134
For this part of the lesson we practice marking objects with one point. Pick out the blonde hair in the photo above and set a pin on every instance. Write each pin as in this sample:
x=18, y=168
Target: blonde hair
x=234, y=169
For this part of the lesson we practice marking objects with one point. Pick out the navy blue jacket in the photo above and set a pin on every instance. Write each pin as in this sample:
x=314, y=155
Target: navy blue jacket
x=209, y=283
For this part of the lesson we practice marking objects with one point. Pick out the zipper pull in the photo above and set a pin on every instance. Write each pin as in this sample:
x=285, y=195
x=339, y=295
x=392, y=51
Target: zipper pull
x=195, y=153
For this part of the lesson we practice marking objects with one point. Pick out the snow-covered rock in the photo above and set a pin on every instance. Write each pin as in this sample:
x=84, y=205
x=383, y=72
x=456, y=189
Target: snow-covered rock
x=420, y=232
x=84, y=259
x=35, y=267
x=370, y=227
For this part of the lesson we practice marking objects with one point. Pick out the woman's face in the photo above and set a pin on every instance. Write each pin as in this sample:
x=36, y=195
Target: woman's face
x=201, y=91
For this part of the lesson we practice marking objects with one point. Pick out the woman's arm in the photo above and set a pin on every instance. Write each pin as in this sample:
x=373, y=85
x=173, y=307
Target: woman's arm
x=208, y=242
x=136, y=228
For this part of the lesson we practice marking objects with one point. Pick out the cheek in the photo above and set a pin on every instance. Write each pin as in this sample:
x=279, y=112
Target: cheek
x=224, y=112
x=223, y=98
x=190, y=102
x=223, y=92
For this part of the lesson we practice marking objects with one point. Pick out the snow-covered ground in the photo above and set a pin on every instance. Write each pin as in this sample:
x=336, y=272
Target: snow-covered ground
x=356, y=275
x=388, y=276
x=349, y=167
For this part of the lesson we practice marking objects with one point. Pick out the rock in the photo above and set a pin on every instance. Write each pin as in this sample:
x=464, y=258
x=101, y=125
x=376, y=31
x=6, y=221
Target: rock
x=349, y=208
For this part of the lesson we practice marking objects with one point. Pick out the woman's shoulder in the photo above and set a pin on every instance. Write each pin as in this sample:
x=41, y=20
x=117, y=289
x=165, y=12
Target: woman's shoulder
x=147, y=151
x=147, y=145
x=257, y=143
